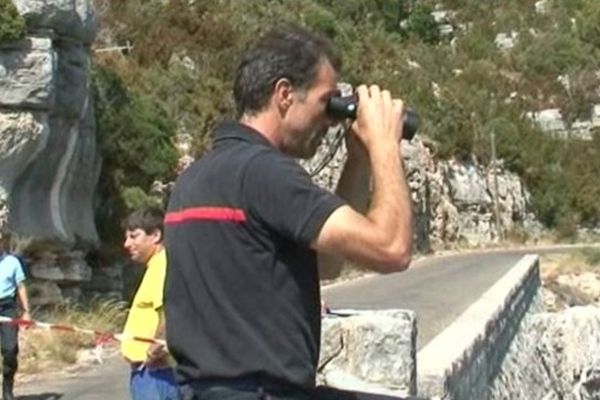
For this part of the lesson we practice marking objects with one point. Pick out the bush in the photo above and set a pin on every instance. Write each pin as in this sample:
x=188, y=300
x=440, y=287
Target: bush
x=135, y=138
x=554, y=53
x=12, y=24
x=588, y=23
x=421, y=23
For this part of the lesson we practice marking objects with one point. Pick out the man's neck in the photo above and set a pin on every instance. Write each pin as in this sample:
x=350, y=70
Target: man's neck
x=265, y=124
x=157, y=249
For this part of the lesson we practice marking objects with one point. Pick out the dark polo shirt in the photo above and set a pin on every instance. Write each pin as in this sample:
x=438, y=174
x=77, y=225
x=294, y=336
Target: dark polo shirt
x=242, y=290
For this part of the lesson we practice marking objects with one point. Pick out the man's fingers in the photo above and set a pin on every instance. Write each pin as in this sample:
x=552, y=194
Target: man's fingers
x=362, y=92
x=375, y=92
x=386, y=96
x=398, y=106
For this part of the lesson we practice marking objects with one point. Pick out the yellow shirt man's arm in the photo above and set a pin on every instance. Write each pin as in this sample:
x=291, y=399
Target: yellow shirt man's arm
x=157, y=353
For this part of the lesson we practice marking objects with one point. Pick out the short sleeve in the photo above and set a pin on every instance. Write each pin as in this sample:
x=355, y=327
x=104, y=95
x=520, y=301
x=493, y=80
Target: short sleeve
x=158, y=283
x=151, y=290
x=279, y=193
x=19, y=274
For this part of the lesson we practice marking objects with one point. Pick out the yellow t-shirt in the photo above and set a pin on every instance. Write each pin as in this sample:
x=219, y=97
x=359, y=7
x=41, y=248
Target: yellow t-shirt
x=144, y=315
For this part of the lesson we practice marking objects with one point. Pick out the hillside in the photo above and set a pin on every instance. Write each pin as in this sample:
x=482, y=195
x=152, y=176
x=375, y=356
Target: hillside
x=442, y=57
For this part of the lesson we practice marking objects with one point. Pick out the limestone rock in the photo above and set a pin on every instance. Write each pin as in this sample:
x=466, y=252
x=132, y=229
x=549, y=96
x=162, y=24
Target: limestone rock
x=49, y=164
x=26, y=74
x=452, y=200
x=22, y=136
x=569, y=345
x=44, y=293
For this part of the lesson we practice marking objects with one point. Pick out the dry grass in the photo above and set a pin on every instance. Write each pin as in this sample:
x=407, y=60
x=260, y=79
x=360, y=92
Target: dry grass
x=571, y=291
x=46, y=350
x=578, y=262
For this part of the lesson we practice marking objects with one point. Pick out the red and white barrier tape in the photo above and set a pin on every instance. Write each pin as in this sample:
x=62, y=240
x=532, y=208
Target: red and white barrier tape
x=100, y=337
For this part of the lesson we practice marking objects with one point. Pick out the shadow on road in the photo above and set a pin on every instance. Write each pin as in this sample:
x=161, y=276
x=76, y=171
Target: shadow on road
x=41, y=396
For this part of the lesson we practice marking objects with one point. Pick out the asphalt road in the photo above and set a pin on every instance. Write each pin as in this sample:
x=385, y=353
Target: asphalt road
x=437, y=288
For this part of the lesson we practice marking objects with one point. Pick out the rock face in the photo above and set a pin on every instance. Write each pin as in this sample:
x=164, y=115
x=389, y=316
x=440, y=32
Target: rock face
x=551, y=121
x=557, y=358
x=453, y=201
x=49, y=164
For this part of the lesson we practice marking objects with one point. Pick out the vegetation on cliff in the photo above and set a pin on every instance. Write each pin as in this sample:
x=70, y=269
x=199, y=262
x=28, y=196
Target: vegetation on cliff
x=462, y=84
x=12, y=24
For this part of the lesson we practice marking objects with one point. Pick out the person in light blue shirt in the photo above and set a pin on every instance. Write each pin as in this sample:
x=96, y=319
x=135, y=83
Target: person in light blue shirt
x=12, y=294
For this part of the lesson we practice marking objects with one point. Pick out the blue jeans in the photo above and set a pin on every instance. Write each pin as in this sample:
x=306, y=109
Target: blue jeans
x=153, y=384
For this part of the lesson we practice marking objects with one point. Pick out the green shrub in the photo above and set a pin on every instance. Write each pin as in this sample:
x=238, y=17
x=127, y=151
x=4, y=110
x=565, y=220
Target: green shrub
x=12, y=24
x=420, y=22
x=135, y=139
x=554, y=53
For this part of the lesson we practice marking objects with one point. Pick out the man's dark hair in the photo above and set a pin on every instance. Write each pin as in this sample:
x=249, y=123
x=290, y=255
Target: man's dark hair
x=147, y=219
x=287, y=51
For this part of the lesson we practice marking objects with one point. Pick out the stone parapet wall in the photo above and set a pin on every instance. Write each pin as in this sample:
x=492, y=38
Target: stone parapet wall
x=369, y=351
x=463, y=361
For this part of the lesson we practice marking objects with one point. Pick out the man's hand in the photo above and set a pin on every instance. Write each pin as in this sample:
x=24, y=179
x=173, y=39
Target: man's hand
x=26, y=317
x=378, y=118
x=156, y=355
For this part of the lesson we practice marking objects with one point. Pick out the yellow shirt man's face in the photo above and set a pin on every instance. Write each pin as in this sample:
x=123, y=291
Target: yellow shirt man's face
x=141, y=245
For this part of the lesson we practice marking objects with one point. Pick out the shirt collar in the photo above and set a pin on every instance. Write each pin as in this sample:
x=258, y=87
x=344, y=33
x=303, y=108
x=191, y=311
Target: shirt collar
x=237, y=131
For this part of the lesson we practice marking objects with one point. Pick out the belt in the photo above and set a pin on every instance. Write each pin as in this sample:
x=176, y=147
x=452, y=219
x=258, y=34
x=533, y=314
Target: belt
x=249, y=383
x=138, y=365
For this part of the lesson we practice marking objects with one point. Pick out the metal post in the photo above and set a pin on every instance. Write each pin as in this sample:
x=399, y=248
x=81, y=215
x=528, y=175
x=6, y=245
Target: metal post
x=127, y=47
x=499, y=228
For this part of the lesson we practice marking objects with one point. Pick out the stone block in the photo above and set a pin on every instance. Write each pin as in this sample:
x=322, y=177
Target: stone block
x=371, y=351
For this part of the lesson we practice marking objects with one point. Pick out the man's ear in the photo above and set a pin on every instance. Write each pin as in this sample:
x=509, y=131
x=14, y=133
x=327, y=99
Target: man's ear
x=283, y=93
x=156, y=236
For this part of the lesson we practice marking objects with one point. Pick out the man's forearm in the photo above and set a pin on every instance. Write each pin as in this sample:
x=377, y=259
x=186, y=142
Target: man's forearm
x=391, y=207
x=161, y=328
x=353, y=186
x=23, y=299
x=354, y=183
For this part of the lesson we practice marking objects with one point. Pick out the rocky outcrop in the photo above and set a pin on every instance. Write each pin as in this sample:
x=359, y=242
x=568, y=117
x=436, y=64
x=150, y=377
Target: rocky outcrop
x=554, y=357
x=552, y=122
x=453, y=200
x=49, y=163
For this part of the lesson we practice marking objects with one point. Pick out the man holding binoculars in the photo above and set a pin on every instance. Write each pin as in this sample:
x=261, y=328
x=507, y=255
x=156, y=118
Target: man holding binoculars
x=246, y=228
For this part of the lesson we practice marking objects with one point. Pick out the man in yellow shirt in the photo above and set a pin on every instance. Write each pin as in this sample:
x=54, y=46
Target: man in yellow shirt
x=152, y=375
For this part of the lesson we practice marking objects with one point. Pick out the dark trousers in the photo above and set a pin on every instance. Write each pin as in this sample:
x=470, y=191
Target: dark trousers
x=9, y=341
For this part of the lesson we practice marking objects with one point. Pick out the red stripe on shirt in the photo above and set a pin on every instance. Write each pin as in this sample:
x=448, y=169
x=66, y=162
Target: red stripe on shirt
x=206, y=214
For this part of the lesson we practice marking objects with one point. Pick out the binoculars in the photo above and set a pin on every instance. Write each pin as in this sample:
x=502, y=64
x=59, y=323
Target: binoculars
x=342, y=107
